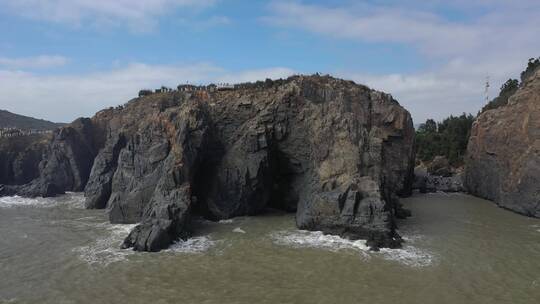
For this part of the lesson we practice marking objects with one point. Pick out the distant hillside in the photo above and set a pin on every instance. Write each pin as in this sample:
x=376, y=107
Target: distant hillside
x=8, y=119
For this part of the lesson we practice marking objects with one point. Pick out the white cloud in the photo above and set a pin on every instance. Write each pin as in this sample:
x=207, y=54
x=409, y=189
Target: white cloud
x=454, y=88
x=496, y=40
x=63, y=98
x=429, y=32
x=139, y=15
x=38, y=62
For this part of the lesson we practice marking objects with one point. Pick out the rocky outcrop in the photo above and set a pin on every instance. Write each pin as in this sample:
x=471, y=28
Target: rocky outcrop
x=66, y=163
x=438, y=176
x=503, y=154
x=336, y=153
x=426, y=182
x=20, y=157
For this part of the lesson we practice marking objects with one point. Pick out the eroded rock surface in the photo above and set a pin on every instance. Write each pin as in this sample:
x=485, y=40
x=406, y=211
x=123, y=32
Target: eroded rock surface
x=66, y=162
x=20, y=157
x=503, y=154
x=336, y=153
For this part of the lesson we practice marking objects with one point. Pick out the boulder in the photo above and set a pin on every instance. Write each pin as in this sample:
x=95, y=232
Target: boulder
x=438, y=176
x=440, y=166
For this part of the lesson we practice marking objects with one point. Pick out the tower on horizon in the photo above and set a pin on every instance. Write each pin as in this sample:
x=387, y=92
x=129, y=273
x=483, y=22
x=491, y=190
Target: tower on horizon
x=486, y=91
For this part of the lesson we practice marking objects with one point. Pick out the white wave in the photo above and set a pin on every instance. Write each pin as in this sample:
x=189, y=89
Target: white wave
x=238, y=230
x=408, y=255
x=316, y=239
x=70, y=199
x=193, y=245
x=535, y=227
x=105, y=251
x=229, y=221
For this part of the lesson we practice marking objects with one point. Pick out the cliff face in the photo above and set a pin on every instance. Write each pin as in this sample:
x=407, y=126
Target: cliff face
x=20, y=158
x=503, y=154
x=334, y=152
x=66, y=162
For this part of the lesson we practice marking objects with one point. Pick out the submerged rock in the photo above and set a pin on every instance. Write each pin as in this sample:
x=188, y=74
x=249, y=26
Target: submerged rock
x=503, y=154
x=336, y=153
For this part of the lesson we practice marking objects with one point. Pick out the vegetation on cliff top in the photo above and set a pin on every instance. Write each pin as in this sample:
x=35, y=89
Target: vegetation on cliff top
x=511, y=86
x=447, y=138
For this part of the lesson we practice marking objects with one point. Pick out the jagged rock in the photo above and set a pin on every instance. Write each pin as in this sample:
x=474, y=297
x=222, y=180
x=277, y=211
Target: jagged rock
x=336, y=153
x=503, y=154
x=67, y=162
x=99, y=187
x=20, y=157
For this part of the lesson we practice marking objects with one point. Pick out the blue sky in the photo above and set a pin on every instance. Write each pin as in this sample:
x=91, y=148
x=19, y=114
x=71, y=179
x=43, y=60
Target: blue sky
x=61, y=59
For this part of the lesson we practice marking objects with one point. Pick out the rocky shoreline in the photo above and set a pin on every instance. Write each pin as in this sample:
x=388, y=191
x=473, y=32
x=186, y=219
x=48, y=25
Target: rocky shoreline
x=336, y=153
x=438, y=176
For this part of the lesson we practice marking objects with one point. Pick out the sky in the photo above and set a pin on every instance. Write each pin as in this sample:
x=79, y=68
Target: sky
x=63, y=59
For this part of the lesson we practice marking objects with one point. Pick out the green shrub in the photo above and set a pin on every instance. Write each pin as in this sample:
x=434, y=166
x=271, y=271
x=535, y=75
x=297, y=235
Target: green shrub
x=508, y=89
x=447, y=138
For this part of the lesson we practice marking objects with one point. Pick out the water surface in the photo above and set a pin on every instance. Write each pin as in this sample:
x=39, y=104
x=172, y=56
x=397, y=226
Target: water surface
x=459, y=249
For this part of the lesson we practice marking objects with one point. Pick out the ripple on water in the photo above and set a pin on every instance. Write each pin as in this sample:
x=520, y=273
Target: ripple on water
x=535, y=227
x=408, y=255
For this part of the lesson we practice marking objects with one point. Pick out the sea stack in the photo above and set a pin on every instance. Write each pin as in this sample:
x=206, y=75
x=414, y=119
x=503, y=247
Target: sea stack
x=336, y=153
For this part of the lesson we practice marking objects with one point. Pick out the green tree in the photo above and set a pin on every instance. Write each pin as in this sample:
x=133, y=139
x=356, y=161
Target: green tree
x=532, y=65
x=511, y=86
x=508, y=89
x=448, y=138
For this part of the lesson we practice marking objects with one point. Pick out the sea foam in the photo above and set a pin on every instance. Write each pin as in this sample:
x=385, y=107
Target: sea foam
x=106, y=250
x=196, y=244
x=408, y=255
x=70, y=200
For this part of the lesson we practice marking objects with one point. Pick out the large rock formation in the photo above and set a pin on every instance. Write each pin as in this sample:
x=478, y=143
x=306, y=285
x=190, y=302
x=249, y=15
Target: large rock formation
x=66, y=163
x=503, y=155
x=336, y=153
x=20, y=157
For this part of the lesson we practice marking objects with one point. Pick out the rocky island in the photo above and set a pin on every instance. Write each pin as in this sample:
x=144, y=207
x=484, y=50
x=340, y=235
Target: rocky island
x=336, y=153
